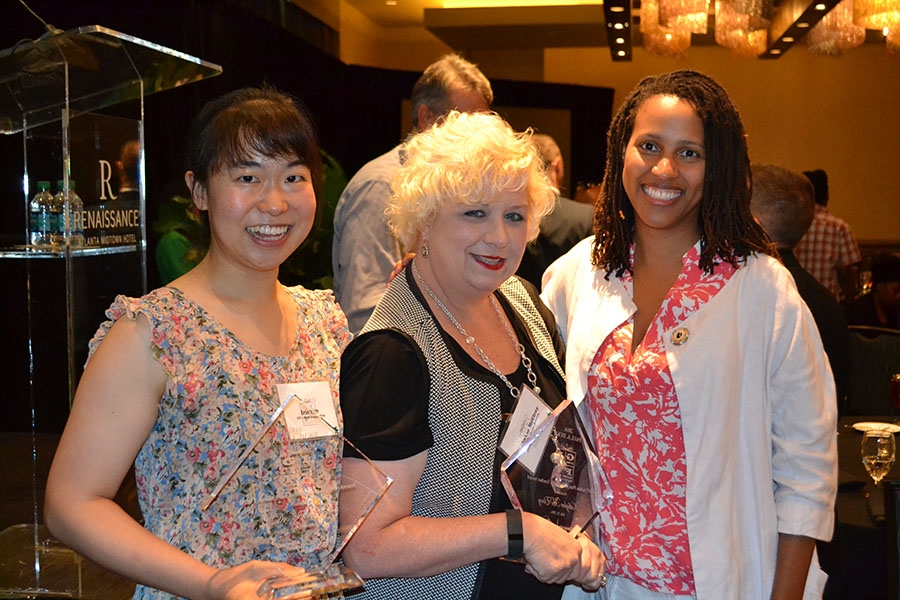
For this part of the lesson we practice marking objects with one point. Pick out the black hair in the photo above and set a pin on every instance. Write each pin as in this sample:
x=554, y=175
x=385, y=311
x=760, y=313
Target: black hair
x=728, y=231
x=819, y=179
x=252, y=120
x=885, y=268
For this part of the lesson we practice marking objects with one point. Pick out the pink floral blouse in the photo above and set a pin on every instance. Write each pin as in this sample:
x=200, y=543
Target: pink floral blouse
x=281, y=505
x=637, y=427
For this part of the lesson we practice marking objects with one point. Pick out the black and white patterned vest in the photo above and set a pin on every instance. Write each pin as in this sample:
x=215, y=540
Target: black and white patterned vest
x=464, y=418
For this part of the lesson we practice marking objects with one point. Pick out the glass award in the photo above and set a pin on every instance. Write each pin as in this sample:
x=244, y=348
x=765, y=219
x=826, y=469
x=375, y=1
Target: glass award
x=363, y=490
x=555, y=473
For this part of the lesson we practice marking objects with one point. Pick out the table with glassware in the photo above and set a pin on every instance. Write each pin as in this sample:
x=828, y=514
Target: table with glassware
x=855, y=558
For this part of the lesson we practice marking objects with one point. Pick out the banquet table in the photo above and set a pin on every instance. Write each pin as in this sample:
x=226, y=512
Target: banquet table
x=855, y=559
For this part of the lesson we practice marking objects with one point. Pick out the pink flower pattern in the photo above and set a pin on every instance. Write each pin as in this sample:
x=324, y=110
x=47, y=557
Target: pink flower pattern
x=637, y=427
x=281, y=505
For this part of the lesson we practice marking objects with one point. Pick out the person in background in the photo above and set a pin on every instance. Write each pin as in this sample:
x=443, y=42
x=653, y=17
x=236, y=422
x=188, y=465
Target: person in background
x=129, y=169
x=587, y=192
x=697, y=364
x=364, y=249
x=181, y=380
x=783, y=203
x=447, y=351
x=828, y=250
x=569, y=223
x=880, y=306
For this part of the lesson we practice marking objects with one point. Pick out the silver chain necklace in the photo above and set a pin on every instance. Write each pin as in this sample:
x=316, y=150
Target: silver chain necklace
x=520, y=349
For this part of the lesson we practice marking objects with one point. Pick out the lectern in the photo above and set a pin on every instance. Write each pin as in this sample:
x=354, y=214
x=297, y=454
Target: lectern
x=77, y=101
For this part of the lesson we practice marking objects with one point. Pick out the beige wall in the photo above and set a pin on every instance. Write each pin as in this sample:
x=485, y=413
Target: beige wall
x=803, y=111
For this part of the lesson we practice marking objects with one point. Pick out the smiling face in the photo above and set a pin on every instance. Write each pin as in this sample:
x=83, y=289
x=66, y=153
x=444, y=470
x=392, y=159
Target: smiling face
x=664, y=168
x=260, y=210
x=473, y=248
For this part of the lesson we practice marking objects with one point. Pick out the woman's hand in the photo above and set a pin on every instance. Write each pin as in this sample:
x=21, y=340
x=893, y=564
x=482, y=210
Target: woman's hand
x=398, y=268
x=553, y=555
x=249, y=581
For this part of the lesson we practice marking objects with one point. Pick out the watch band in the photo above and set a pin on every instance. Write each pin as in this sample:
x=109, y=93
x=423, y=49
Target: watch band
x=515, y=537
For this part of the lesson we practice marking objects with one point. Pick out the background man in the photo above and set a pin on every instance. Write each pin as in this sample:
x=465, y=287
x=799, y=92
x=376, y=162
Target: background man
x=828, y=250
x=364, y=249
x=782, y=202
x=569, y=223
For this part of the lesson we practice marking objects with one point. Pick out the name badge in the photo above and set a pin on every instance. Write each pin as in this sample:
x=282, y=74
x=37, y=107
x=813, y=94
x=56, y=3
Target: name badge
x=310, y=413
x=530, y=411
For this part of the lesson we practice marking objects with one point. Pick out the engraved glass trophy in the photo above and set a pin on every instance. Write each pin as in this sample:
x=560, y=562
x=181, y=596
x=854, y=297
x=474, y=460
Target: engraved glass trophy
x=304, y=414
x=363, y=490
x=556, y=474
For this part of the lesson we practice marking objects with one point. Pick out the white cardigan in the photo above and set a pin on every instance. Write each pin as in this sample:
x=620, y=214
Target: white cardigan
x=758, y=412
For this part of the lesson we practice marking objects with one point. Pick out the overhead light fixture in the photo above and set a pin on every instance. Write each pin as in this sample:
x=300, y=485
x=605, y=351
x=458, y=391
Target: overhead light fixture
x=618, y=29
x=742, y=25
x=685, y=15
x=791, y=22
x=892, y=40
x=876, y=14
x=658, y=40
x=836, y=31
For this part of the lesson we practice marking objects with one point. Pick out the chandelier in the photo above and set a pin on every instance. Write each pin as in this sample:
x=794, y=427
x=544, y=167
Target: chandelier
x=684, y=15
x=836, y=31
x=877, y=14
x=661, y=41
x=742, y=25
x=892, y=39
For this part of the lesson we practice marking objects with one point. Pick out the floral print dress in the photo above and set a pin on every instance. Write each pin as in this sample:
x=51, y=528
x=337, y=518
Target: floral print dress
x=281, y=505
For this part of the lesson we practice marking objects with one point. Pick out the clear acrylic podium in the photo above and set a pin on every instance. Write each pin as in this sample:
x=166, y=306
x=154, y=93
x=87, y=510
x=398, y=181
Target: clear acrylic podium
x=53, y=93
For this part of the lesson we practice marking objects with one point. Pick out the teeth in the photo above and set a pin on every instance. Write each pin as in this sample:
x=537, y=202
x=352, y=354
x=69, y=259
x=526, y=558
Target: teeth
x=490, y=261
x=661, y=194
x=268, y=230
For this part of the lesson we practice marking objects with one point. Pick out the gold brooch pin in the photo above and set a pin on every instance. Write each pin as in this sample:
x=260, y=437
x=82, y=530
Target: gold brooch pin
x=680, y=336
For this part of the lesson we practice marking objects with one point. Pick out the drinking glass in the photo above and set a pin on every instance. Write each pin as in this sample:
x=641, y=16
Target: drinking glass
x=878, y=453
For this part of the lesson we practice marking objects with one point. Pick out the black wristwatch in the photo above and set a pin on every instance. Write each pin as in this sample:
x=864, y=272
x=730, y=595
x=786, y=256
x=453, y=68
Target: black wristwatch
x=515, y=537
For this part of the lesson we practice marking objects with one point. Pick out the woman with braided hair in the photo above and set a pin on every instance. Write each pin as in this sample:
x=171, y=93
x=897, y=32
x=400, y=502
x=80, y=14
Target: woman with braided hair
x=695, y=362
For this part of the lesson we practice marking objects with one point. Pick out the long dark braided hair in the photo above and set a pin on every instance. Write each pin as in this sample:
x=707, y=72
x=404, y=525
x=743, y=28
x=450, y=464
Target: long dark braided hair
x=728, y=231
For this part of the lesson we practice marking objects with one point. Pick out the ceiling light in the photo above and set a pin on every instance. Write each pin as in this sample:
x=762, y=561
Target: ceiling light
x=687, y=15
x=836, y=31
x=876, y=14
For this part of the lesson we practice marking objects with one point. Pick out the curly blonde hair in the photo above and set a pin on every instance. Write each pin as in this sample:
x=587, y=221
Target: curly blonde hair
x=466, y=158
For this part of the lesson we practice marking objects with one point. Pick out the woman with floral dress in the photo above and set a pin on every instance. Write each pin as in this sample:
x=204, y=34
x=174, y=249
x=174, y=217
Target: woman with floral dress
x=182, y=380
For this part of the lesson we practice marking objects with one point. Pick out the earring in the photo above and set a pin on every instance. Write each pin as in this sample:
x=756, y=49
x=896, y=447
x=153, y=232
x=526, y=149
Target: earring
x=425, y=252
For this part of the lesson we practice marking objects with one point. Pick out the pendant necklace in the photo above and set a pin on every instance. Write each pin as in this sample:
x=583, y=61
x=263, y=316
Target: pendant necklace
x=520, y=349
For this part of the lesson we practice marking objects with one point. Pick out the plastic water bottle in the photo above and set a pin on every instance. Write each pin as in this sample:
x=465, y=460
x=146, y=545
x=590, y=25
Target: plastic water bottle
x=75, y=217
x=58, y=216
x=39, y=216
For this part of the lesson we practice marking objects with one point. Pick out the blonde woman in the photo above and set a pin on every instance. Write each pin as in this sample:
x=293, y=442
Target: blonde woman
x=445, y=354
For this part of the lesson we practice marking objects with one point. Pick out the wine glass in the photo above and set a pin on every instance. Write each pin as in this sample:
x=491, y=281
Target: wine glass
x=878, y=453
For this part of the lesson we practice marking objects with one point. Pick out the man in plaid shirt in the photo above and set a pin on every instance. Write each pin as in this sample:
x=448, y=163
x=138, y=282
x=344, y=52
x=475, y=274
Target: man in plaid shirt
x=828, y=250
